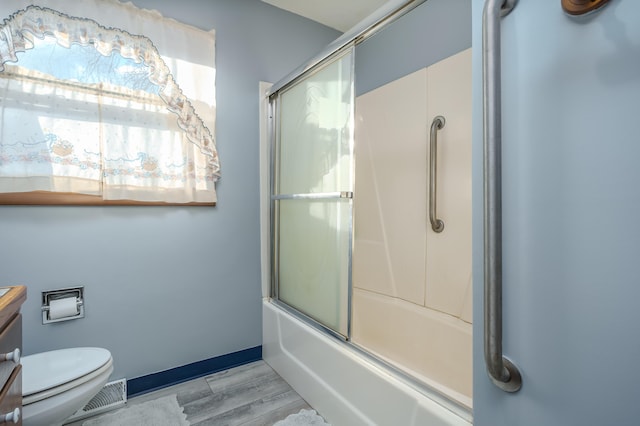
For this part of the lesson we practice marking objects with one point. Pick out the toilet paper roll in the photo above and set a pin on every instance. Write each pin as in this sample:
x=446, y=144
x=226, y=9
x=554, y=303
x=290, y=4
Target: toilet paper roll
x=62, y=308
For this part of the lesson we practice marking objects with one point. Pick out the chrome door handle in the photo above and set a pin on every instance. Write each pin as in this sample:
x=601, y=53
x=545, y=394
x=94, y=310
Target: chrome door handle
x=502, y=371
x=438, y=123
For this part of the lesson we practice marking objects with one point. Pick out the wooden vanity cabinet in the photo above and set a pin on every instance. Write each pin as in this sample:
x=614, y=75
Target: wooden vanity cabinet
x=10, y=340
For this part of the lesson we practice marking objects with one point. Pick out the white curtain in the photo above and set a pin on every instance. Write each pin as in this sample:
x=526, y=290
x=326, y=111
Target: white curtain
x=142, y=130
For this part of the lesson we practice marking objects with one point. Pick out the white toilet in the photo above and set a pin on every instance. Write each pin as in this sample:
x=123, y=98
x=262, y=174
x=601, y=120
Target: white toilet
x=58, y=383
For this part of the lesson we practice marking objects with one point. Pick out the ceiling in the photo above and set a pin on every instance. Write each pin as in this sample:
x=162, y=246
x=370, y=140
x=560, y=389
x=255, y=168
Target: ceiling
x=338, y=14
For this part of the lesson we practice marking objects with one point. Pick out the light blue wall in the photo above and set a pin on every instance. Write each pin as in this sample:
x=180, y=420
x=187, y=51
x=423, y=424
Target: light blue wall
x=429, y=33
x=167, y=286
x=571, y=209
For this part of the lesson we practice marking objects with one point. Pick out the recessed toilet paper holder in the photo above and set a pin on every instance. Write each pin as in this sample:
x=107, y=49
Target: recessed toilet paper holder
x=59, y=294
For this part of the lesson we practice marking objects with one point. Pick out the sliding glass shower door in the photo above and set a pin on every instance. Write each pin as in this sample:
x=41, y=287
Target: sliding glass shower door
x=312, y=193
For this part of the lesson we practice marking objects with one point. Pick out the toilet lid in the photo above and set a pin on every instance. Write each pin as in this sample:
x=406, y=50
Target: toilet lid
x=51, y=369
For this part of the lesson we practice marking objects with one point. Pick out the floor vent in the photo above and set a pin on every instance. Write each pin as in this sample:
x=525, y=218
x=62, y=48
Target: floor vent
x=112, y=395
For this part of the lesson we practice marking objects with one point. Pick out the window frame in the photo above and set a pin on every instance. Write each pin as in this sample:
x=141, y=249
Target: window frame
x=46, y=198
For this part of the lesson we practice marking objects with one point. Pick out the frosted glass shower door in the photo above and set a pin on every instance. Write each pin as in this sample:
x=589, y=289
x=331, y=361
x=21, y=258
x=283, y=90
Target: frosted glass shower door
x=312, y=191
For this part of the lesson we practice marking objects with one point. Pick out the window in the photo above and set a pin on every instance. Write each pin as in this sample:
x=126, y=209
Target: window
x=95, y=111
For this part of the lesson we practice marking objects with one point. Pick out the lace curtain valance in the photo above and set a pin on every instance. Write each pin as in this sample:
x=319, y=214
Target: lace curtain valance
x=88, y=107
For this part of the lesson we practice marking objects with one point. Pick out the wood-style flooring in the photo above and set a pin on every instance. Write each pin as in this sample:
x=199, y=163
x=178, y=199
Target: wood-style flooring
x=251, y=395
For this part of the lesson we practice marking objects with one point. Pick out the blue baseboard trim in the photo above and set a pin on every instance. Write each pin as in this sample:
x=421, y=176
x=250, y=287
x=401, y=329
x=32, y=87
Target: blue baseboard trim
x=174, y=376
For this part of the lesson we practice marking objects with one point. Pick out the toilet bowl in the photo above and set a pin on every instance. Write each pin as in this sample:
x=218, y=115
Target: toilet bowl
x=58, y=383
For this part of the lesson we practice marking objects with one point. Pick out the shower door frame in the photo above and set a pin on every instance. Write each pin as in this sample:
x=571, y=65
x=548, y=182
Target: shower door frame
x=274, y=100
x=386, y=15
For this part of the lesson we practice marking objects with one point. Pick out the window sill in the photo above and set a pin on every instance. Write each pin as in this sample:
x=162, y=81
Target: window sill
x=43, y=198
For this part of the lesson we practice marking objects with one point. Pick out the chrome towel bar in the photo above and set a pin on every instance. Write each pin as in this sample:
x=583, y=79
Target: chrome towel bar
x=503, y=373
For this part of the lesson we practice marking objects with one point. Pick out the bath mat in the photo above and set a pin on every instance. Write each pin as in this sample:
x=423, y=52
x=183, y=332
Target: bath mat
x=303, y=418
x=163, y=411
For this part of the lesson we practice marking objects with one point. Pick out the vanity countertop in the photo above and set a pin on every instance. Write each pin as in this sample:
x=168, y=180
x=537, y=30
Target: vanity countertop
x=11, y=301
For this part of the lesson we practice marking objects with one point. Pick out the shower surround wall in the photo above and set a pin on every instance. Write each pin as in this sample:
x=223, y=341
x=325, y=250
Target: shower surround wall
x=411, y=285
x=180, y=283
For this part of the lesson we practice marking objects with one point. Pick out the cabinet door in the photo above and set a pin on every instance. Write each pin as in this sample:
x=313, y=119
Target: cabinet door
x=448, y=277
x=11, y=395
x=10, y=340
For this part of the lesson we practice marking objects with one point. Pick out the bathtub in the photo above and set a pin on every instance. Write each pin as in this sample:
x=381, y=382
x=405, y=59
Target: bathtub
x=345, y=385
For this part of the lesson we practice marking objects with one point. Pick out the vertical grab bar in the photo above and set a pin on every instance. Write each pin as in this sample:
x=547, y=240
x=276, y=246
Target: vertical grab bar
x=502, y=371
x=438, y=123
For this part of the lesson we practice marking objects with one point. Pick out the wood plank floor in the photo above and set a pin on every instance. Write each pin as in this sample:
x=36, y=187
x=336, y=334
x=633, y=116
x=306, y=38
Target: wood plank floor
x=251, y=395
